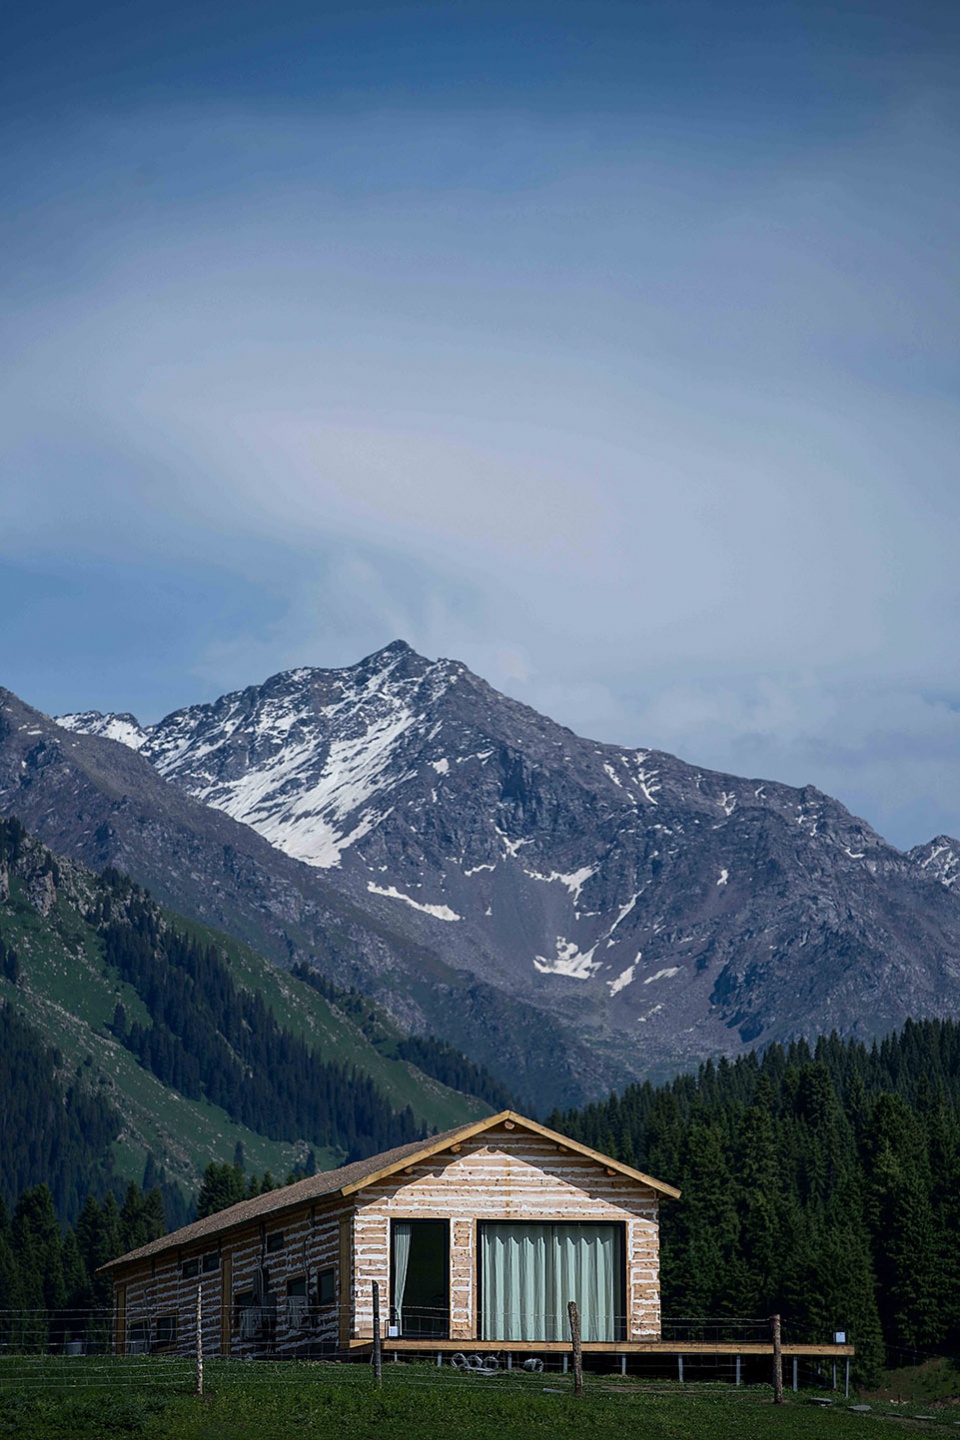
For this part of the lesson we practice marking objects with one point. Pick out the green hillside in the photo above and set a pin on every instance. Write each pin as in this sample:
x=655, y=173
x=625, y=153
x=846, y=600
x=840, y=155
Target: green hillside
x=54, y=917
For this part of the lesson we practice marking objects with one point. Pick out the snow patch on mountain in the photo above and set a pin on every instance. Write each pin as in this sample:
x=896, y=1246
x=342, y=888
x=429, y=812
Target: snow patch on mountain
x=568, y=961
x=439, y=912
x=941, y=858
x=624, y=979
x=624, y=912
x=574, y=882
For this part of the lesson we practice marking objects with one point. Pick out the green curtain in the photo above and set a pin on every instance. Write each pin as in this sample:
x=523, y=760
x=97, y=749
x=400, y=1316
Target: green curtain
x=402, y=1235
x=530, y=1272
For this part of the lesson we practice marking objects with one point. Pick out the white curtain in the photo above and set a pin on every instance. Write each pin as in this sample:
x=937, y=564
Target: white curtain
x=530, y=1272
x=402, y=1231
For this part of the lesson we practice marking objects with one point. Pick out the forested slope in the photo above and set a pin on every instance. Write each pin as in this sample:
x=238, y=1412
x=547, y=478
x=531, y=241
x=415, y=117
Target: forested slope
x=183, y=1044
x=823, y=1183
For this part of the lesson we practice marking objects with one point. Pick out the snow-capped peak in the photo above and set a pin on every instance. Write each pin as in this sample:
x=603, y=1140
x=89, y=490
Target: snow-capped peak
x=308, y=758
x=124, y=728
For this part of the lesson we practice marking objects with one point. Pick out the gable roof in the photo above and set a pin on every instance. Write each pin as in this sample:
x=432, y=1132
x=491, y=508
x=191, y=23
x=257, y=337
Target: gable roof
x=350, y=1178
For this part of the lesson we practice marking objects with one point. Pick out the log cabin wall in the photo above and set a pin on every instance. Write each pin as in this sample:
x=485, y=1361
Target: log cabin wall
x=160, y=1300
x=505, y=1175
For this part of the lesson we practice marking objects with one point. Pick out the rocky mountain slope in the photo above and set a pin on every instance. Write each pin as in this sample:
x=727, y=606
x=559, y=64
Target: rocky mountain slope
x=657, y=911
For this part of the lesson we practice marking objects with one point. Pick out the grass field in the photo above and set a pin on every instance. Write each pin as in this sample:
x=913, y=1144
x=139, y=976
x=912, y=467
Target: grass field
x=95, y=1399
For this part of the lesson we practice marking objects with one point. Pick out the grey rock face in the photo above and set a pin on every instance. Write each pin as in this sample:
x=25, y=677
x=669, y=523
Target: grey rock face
x=940, y=858
x=657, y=911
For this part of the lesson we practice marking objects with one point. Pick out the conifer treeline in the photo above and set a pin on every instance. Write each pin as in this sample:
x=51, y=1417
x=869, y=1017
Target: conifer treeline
x=207, y=1038
x=50, y=1292
x=435, y=1057
x=822, y=1184
x=49, y=1130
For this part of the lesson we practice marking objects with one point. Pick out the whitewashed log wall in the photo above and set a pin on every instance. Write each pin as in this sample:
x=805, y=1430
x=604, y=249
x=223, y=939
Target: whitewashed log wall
x=311, y=1244
x=512, y=1176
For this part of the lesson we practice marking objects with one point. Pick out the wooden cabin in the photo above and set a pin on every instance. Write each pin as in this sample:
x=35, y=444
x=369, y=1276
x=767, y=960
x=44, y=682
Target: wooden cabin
x=480, y=1236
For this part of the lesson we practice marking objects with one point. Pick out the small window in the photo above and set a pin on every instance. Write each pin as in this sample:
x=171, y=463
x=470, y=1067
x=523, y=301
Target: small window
x=297, y=1286
x=190, y=1269
x=274, y=1242
x=138, y=1338
x=246, y=1315
x=326, y=1287
x=166, y=1330
x=211, y=1262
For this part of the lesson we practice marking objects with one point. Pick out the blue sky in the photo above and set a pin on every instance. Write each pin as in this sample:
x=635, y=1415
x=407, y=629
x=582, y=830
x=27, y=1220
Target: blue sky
x=610, y=348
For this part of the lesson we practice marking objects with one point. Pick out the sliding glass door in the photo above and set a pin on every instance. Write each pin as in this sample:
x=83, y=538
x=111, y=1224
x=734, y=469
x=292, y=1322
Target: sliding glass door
x=528, y=1273
x=420, y=1278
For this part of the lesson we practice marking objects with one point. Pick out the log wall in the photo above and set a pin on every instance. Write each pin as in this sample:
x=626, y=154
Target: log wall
x=157, y=1289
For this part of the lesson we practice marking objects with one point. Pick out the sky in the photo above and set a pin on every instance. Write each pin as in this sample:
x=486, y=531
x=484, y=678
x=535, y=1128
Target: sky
x=607, y=347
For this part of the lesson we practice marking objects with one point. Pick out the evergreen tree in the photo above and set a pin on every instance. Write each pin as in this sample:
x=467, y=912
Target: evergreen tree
x=10, y=1295
x=37, y=1249
x=823, y=1184
x=223, y=1185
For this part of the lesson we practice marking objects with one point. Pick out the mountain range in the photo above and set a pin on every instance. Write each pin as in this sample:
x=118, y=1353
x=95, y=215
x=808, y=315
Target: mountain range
x=570, y=913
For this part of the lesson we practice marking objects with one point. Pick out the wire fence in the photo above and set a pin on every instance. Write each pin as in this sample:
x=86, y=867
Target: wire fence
x=271, y=1327
x=79, y=1348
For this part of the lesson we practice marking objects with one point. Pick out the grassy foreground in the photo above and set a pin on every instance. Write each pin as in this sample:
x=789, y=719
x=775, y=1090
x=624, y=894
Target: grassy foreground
x=93, y=1400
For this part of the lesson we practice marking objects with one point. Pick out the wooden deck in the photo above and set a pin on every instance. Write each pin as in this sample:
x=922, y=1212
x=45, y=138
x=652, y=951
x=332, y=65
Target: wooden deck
x=610, y=1347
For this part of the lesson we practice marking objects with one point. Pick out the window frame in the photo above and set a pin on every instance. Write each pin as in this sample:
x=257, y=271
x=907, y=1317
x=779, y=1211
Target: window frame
x=327, y=1274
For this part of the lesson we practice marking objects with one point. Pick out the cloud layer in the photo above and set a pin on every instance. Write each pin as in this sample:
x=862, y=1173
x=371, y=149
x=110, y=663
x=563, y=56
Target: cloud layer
x=656, y=430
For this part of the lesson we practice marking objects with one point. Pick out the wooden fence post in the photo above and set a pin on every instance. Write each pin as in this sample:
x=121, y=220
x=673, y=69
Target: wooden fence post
x=377, y=1351
x=574, y=1315
x=777, y=1361
x=199, y=1385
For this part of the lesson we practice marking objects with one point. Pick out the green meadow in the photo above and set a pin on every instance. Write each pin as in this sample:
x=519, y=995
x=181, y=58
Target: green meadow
x=94, y=1399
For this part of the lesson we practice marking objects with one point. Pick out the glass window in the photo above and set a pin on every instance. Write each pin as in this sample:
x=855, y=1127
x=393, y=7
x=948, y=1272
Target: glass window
x=274, y=1242
x=326, y=1287
x=247, y=1314
x=166, y=1330
x=211, y=1262
x=138, y=1338
x=190, y=1268
x=528, y=1273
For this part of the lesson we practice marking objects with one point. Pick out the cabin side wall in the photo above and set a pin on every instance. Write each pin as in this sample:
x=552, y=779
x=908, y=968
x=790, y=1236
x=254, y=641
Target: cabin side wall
x=512, y=1176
